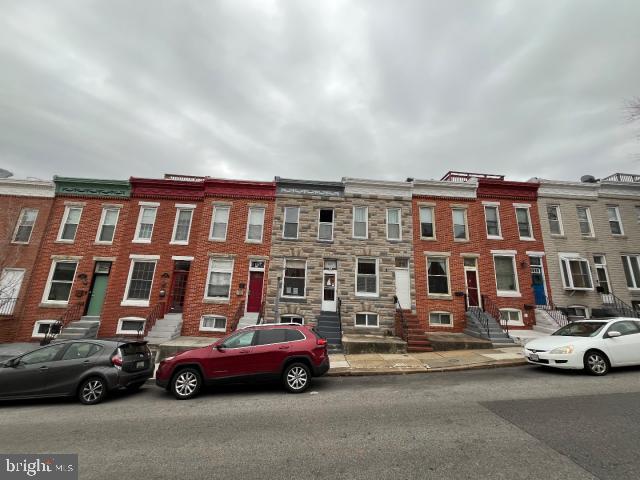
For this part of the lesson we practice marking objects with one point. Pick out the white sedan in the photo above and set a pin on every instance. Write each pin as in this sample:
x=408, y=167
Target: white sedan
x=593, y=345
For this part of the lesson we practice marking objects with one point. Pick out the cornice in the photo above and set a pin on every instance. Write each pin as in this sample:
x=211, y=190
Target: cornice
x=445, y=189
x=379, y=188
x=91, y=187
x=164, y=188
x=561, y=188
x=223, y=188
x=490, y=188
x=289, y=186
x=26, y=188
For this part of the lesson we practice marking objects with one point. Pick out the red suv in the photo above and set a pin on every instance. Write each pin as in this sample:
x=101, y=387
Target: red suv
x=291, y=352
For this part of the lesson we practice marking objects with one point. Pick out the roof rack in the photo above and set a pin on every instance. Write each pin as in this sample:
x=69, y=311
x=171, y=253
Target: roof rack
x=623, y=177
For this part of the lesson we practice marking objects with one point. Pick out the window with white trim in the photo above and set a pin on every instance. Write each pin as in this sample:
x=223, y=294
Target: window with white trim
x=219, y=222
x=638, y=213
x=631, y=267
x=427, y=223
x=291, y=221
x=360, y=222
x=146, y=221
x=69, y=226
x=506, y=278
x=289, y=318
x=511, y=315
x=492, y=221
x=394, y=226
x=213, y=323
x=584, y=221
x=325, y=224
x=366, y=319
x=140, y=280
x=367, y=276
x=579, y=311
x=130, y=325
x=523, y=217
x=255, y=224
x=294, y=278
x=24, y=227
x=438, y=275
x=182, y=225
x=42, y=327
x=440, y=319
x=219, y=278
x=460, y=230
x=58, y=289
x=576, y=274
x=107, y=226
x=555, y=220
x=615, y=222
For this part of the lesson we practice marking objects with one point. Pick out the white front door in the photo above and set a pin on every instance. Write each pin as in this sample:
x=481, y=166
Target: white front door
x=329, y=286
x=403, y=283
x=10, y=283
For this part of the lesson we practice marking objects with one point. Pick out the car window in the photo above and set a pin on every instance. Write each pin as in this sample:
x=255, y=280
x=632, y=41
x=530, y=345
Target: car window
x=293, y=335
x=274, y=335
x=581, y=329
x=42, y=355
x=81, y=350
x=625, y=328
x=240, y=340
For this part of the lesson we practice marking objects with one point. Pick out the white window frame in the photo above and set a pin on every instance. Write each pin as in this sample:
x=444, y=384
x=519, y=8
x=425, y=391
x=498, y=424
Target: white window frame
x=213, y=221
x=355, y=316
x=47, y=288
x=486, y=224
x=441, y=312
x=103, y=217
x=291, y=315
x=446, y=260
x=568, y=257
x=210, y=270
x=506, y=293
x=527, y=207
x=433, y=221
x=182, y=208
x=284, y=269
x=587, y=314
x=19, y=224
x=133, y=260
x=264, y=215
x=368, y=294
x=366, y=222
x=144, y=206
x=399, y=239
x=519, y=322
x=333, y=224
x=284, y=223
x=466, y=224
x=616, y=209
x=65, y=217
x=120, y=331
x=36, y=327
x=560, y=223
x=625, y=257
x=592, y=233
x=212, y=329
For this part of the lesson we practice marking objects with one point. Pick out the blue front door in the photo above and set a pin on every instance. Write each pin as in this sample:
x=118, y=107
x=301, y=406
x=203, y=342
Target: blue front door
x=537, y=282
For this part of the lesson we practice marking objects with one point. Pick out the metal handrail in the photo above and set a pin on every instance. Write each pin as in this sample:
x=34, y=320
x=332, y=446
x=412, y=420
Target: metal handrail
x=339, y=311
x=237, y=316
x=7, y=305
x=480, y=317
x=618, y=304
x=261, y=314
x=492, y=310
x=150, y=320
x=555, y=313
x=403, y=321
x=72, y=313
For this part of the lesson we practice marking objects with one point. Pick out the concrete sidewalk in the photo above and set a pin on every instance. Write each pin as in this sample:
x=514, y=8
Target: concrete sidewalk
x=390, y=364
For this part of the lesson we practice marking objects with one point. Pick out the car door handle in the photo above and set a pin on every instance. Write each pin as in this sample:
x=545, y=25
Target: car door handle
x=44, y=367
x=245, y=351
x=284, y=347
x=87, y=362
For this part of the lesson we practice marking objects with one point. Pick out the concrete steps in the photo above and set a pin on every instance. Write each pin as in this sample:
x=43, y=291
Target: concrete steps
x=248, y=319
x=496, y=335
x=165, y=329
x=328, y=326
x=86, y=327
x=544, y=322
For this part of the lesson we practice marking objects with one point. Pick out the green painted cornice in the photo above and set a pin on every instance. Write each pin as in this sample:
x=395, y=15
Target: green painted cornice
x=92, y=187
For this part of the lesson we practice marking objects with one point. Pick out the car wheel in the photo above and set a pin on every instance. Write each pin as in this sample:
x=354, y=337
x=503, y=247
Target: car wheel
x=186, y=383
x=296, y=377
x=92, y=391
x=134, y=387
x=596, y=363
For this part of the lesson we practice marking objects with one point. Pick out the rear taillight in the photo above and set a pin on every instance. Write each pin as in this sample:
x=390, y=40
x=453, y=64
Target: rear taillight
x=321, y=341
x=116, y=360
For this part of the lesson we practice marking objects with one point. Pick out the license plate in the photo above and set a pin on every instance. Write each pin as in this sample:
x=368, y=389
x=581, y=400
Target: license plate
x=140, y=365
x=534, y=357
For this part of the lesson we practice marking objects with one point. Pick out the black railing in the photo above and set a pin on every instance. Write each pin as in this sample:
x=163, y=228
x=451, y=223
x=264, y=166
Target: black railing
x=7, y=305
x=150, y=320
x=624, y=309
x=403, y=321
x=339, y=311
x=477, y=314
x=261, y=314
x=555, y=313
x=238, y=315
x=71, y=314
x=492, y=310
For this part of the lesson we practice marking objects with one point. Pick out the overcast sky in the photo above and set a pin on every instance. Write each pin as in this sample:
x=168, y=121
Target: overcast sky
x=318, y=89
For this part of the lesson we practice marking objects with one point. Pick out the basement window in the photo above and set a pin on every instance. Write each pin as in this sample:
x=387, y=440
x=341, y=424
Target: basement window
x=213, y=323
x=440, y=319
x=130, y=325
x=366, y=319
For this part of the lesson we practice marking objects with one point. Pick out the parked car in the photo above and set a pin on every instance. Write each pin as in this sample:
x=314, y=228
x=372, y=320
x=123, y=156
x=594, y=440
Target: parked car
x=593, y=345
x=85, y=368
x=290, y=352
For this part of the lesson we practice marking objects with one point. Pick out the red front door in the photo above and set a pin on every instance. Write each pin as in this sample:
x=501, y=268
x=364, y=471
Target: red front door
x=472, y=288
x=255, y=291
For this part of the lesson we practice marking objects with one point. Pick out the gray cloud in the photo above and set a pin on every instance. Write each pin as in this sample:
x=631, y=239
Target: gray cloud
x=253, y=89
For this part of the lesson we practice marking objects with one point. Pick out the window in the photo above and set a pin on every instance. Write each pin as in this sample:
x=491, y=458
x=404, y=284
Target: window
x=584, y=220
x=42, y=355
x=146, y=220
x=366, y=319
x=42, y=327
x=271, y=336
x=292, y=319
x=360, y=222
x=130, y=325
x=213, y=323
x=140, y=281
x=70, y=221
x=427, y=225
x=219, y=222
x=555, y=220
x=638, y=213
x=107, y=227
x=294, y=281
x=291, y=219
x=626, y=327
x=459, y=223
x=239, y=340
x=492, y=220
x=615, y=224
x=394, y=230
x=219, y=278
x=60, y=281
x=578, y=311
x=367, y=276
x=523, y=216
x=182, y=225
x=576, y=274
x=255, y=224
x=506, y=279
x=294, y=335
x=325, y=224
x=81, y=350
x=440, y=319
x=631, y=267
x=438, y=276
x=511, y=315
x=24, y=227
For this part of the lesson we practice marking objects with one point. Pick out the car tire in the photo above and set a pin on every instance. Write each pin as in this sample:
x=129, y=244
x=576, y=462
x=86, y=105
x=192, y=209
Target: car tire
x=134, y=387
x=296, y=377
x=596, y=363
x=92, y=390
x=186, y=383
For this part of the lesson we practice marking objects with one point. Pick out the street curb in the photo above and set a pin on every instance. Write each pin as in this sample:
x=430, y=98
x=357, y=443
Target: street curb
x=361, y=372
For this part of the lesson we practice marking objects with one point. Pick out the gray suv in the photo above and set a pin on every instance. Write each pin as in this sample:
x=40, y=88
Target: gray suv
x=85, y=368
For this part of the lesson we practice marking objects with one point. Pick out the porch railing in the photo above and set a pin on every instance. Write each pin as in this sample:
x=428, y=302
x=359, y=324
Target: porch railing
x=491, y=309
x=624, y=309
x=339, y=311
x=403, y=321
x=555, y=313
x=156, y=313
x=237, y=316
x=7, y=305
x=261, y=313
x=71, y=314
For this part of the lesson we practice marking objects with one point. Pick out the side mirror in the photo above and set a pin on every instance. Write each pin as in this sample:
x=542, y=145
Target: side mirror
x=13, y=362
x=220, y=347
x=613, y=334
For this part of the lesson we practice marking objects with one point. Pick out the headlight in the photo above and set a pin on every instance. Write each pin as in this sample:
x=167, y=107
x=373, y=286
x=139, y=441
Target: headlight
x=563, y=350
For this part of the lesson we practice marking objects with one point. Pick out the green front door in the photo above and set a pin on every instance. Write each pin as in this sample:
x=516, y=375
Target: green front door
x=97, y=295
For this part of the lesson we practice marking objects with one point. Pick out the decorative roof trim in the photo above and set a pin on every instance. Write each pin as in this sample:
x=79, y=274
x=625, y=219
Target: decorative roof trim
x=164, y=188
x=290, y=186
x=380, y=188
x=26, y=188
x=223, y=188
x=491, y=188
x=91, y=187
x=445, y=189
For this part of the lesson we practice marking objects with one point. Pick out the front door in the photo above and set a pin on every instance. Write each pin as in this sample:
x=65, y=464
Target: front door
x=10, y=283
x=98, y=288
x=471, y=280
x=403, y=287
x=179, y=285
x=329, y=284
x=603, y=278
x=254, y=300
x=537, y=281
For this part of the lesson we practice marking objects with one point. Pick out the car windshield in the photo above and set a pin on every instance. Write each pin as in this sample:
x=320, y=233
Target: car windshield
x=581, y=329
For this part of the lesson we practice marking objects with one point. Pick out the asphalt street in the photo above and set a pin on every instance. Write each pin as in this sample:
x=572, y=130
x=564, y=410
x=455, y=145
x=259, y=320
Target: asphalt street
x=520, y=422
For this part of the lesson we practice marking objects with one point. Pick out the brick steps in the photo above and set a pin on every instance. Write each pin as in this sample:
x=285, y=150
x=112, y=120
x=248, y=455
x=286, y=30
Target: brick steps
x=417, y=340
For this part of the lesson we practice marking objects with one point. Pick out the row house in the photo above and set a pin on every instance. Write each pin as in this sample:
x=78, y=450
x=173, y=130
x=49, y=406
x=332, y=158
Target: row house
x=591, y=232
x=25, y=207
